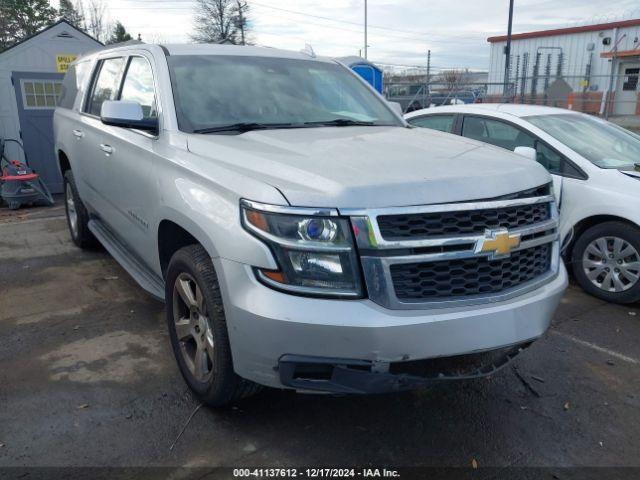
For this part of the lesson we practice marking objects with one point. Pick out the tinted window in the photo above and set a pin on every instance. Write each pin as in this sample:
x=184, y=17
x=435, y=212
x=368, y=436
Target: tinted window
x=106, y=85
x=217, y=90
x=73, y=84
x=138, y=86
x=444, y=123
x=496, y=133
x=548, y=158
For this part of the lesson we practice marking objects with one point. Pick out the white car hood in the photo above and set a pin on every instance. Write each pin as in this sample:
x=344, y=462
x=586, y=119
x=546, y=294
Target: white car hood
x=370, y=167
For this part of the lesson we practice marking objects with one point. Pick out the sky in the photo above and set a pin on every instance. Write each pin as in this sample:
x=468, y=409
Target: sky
x=400, y=31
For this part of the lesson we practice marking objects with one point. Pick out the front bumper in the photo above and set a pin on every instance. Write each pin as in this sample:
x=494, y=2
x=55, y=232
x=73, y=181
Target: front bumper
x=268, y=328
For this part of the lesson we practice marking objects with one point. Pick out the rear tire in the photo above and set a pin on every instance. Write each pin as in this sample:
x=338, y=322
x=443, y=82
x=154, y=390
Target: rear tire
x=606, y=262
x=198, y=329
x=77, y=215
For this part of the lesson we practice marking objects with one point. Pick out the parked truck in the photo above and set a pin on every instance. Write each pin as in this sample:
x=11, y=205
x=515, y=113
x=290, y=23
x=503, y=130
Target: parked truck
x=300, y=232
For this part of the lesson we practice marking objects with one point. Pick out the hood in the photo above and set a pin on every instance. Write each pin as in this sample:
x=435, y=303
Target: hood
x=371, y=167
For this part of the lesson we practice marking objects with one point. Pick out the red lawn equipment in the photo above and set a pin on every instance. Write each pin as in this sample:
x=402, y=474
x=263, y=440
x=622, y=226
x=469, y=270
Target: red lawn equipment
x=19, y=184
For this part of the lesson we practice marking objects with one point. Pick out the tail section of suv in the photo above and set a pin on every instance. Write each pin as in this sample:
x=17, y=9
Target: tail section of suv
x=301, y=235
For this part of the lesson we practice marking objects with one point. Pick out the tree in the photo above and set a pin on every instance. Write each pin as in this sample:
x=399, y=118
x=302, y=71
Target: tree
x=219, y=21
x=242, y=20
x=96, y=22
x=72, y=14
x=118, y=35
x=20, y=19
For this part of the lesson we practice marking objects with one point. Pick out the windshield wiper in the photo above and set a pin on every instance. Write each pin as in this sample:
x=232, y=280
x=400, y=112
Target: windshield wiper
x=243, y=127
x=341, y=122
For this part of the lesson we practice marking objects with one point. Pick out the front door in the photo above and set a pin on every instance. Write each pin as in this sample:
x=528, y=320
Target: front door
x=626, y=97
x=36, y=96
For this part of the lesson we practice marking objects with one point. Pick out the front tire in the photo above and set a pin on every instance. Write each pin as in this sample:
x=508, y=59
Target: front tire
x=198, y=330
x=606, y=262
x=77, y=215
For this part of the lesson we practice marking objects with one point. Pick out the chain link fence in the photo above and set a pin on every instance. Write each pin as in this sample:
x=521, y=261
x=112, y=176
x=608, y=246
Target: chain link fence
x=603, y=95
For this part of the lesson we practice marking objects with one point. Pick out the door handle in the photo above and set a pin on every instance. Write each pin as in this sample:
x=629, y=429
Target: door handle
x=108, y=149
x=78, y=133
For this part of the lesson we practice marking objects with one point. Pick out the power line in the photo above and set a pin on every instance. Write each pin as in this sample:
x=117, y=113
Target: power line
x=423, y=35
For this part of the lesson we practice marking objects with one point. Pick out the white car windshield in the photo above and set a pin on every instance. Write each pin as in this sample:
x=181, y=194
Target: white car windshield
x=215, y=93
x=602, y=143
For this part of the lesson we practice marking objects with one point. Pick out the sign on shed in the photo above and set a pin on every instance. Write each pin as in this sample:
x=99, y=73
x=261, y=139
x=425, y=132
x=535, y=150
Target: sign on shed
x=63, y=61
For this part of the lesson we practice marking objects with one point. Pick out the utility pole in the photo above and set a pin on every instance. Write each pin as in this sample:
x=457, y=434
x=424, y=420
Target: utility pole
x=428, y=88
x=241, y=21
x=507, y=55
x=365, y=29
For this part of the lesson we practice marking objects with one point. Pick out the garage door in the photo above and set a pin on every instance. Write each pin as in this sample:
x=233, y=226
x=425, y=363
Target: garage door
x=36, y=95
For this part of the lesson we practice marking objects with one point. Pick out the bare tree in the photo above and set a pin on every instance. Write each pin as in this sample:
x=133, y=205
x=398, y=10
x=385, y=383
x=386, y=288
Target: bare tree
x=219, y=21
x=97, y=23
x=454, y=78
x=242, y=20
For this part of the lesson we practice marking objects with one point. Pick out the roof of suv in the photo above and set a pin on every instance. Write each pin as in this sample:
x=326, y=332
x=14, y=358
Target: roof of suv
x=216, y=49
x=509, y=108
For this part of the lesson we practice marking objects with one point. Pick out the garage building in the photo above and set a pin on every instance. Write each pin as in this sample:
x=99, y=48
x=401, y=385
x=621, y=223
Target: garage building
x=31, y=73
x=574, y=67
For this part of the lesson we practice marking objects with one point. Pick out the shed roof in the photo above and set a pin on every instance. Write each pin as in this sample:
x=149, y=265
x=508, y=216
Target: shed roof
x=37, y=34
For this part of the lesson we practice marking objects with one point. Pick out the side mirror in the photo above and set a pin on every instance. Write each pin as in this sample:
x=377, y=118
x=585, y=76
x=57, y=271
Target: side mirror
x=127, y=115
x=396, y=107
x=527, y=152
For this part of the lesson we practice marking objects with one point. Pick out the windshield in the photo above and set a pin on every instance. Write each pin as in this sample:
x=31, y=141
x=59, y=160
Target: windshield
x=602, y=143
x=215, y=91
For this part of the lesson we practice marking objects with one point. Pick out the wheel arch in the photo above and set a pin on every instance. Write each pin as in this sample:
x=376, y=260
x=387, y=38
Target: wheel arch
x=583, y=225
x=63, y=162
x=171, y=237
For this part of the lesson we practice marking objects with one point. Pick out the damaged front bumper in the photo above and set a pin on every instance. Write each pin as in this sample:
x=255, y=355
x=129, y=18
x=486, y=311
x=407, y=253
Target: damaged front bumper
x=274, y=336
x=333, y=375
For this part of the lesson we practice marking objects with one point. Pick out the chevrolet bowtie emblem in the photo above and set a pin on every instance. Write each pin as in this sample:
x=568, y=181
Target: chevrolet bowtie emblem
x=498, y=243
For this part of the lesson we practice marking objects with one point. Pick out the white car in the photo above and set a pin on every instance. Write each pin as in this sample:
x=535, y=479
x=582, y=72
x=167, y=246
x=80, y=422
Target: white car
x=595, y=167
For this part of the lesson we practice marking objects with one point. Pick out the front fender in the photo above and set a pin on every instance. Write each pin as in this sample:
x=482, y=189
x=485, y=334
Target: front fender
x=210, y=211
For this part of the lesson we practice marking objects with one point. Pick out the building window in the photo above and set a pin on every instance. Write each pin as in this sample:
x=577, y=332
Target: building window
x=40, y=94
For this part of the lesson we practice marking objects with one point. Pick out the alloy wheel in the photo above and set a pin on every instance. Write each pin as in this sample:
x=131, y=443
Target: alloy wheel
x=193, y=328
x=72, y=214
x=612, y=264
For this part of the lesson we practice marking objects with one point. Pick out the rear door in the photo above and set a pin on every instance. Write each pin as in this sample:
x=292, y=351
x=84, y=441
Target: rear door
x=36, y=96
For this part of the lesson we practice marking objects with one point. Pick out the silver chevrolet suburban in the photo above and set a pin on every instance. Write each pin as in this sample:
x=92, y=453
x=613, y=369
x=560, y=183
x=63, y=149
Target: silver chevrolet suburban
x=301, y=234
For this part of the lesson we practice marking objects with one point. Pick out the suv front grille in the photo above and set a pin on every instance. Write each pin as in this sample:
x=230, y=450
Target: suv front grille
x=446, y=255
x=425, y=225
x=469, y=276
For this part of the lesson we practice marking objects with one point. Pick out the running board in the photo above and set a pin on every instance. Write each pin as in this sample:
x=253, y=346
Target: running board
x=140, y=273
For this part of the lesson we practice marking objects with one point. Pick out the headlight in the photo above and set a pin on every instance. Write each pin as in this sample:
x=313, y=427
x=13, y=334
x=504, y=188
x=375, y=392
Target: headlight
x=315, y=253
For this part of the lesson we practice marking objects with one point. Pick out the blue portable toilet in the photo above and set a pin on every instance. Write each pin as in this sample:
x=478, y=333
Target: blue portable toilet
x=367, y=70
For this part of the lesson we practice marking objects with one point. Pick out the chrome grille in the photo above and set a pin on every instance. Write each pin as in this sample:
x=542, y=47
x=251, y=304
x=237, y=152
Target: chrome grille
x=469, y=276
x=425, y=225
x=434, y=255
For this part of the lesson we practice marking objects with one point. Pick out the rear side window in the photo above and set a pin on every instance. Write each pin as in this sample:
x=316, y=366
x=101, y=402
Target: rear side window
x=138, y=86
x=496, y=133
x=106, y=85
x=73, y=84
x=443, y=123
